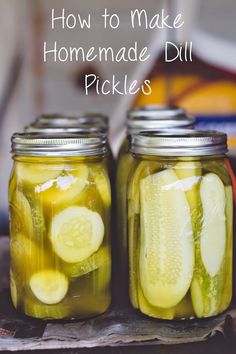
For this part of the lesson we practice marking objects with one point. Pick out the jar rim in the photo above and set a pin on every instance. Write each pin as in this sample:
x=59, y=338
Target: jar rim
x=66, y=120
x=158, y=117
x=80, y=128
x=179, y=142
x=56, y=145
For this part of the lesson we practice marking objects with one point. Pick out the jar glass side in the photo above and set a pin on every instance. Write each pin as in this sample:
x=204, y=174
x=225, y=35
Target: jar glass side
x=60, y=236
x=124, y=166
x=180, y=236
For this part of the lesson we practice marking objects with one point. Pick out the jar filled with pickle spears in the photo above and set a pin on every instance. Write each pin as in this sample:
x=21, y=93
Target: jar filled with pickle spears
x=60, y=198
x=144, y=118
x=180, y=214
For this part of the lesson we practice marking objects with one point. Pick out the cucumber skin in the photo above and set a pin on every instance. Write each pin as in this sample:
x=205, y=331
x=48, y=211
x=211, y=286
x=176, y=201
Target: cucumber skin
x=228, y=271
x=211, y=287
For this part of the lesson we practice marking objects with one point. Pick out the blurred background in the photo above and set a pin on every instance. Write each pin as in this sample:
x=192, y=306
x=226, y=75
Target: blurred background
x=206, y=87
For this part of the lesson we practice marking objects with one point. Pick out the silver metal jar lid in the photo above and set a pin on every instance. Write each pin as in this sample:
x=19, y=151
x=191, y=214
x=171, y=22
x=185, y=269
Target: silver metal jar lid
x=26, y=144
x=179, y=142
x=158, y=117
x=62, y=120
x=80, y=128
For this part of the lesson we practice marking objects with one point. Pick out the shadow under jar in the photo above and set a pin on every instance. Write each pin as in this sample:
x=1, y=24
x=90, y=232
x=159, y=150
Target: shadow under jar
x=145, y=118
x=59, y=198
x=180, y=214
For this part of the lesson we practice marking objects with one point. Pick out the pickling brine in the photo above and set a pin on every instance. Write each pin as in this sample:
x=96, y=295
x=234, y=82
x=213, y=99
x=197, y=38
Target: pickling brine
x=180, y=215
x=60, y=236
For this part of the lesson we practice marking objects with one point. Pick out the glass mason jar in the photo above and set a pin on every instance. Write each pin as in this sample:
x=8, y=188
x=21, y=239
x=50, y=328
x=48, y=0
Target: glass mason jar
x=60, y=198
x=140, y=119
x=180, y=214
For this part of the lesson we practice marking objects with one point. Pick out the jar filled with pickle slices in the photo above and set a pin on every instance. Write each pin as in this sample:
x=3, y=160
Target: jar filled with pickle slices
x=60, y=198
x=144, y=118
x=180, y=214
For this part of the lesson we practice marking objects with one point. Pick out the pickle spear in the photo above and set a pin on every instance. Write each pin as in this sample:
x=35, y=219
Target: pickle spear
x=76, y=233
x=210, y=239
x=213, y=234
x=143, y=169
x=228, y=286
x=166, y=248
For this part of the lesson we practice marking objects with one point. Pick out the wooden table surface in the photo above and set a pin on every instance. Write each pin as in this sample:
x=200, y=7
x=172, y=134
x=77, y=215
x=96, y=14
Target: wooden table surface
x=118, y=331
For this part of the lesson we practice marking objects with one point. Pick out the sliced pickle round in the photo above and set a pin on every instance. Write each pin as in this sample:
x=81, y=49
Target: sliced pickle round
x=76, y=233
x=213, y=233
x=66, y=187
x=166, y=248
x=49, y=286
x=36, y=173
x=95, y=261
x=27, y=256
x=35, y=309
x=103, y=184
x=20, y=217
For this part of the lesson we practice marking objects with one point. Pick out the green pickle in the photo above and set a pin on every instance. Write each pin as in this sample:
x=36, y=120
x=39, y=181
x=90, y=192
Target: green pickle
x=60, y=247
x=180, y=214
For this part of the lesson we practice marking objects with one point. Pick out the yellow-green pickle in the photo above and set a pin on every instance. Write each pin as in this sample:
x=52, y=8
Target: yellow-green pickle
x=180, y=232
x=60, y=198
x=144, y=118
